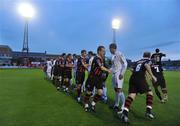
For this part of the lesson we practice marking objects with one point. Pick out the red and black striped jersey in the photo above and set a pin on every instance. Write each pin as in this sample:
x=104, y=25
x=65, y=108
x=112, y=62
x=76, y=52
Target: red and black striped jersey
x=80, y=66
x=61, y=63
x=66, y=63
x=96, y=66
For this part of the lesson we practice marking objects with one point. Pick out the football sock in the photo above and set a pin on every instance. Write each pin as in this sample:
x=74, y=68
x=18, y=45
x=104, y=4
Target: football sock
x=97, y=98
x=149, y=101
x=128, y=103
x=86, y=98
x=94, y=92
x=117, y=99
x=105, y=92
x=122, y=97
x=164, y=91
x=79, y=91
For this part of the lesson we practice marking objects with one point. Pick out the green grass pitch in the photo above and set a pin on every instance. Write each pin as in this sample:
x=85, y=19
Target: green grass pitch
x=26, y=99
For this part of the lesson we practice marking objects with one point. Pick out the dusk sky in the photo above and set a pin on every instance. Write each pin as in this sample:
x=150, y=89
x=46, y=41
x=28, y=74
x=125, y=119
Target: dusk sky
x=71, y=25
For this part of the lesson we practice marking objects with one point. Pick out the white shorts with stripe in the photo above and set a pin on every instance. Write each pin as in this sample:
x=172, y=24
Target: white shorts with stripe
x=117, y=83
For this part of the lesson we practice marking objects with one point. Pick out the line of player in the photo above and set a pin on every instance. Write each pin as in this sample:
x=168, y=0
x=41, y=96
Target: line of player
x=60, y=71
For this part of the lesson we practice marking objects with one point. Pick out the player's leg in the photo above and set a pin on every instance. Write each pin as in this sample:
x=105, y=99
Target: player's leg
x=64, y=80
x=59, y=78
x=93, y=92
x=155, y=85
x=71, y=82
x=78, y=85
x=83, y=84
x=128, y=102
x=149, y=103
x=70, y=79
x=83, y=87
x=97, y=97
x=60, y=82
x=86, y=100
x=105, y=98
x=66, y=84
x=89, y=89
x=164, y=89
x=158, y=93
x=133, y=90
x=119, y=95
x=55, y=78
x=78, y=92
x=54, y=75
x=79, y=79
x=49, y=75
x=74, y=73
x=98, y=83
x=165, y=95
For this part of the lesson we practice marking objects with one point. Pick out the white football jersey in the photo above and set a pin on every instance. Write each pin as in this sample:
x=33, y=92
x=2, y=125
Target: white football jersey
x=75, y=64
x=90, y=63
x=119, y=63
x=49, y=66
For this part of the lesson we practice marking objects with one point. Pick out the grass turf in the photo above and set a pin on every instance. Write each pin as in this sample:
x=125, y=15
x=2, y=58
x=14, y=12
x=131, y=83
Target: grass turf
x=26, y=99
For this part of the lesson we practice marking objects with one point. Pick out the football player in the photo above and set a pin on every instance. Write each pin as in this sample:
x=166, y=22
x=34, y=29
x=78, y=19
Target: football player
x=82, y=66
x=138, y=84
x=95, y=79
x=68, y=66
x=119, y=66
x=158, y=72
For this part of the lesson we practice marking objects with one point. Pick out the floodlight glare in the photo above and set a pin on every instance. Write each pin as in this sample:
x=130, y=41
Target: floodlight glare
x=116, y=24
x=26, y=10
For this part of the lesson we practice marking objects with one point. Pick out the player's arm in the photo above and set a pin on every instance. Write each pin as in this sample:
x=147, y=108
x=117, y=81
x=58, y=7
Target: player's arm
x=152, y=57
x=70, y=65
x=61, y=65
x=85, y=65
x=102, y=67
x=162, y=54
x=148, y=68
x=105, y=69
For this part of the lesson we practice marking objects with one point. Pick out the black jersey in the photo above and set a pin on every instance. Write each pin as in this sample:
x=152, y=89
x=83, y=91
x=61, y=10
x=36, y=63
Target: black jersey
x=105, y=73
x=139, y=69
x=80, y=66
x=66, y=68
x=56, y=68
x=96, y=66
x=61, y=63
x=156, y=69
x=156, y=58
